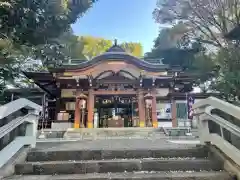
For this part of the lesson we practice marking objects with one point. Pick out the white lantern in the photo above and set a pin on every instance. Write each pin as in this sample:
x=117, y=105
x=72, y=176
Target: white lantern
x=148, y=100
x=82, y=101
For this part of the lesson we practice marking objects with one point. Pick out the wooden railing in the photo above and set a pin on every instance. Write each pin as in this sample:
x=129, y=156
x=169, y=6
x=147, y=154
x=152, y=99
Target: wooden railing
x=219, y=124
x=18, y=127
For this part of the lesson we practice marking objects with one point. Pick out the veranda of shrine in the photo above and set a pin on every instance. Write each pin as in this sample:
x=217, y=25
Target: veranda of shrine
x=116, y=86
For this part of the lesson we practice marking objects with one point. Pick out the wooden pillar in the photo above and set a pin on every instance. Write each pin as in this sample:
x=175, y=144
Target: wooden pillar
x=174, y=112
x=90, y=106
x=154, y=110
x=58, y=107
x=58, y=101
x=141, y=108
x=77, y=114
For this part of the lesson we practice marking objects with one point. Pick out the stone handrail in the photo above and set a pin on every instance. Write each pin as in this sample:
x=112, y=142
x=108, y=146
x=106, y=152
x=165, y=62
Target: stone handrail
x=11, y=142
x=219, y=104
x=16, y=105
x=223, y=133
x=29, y=118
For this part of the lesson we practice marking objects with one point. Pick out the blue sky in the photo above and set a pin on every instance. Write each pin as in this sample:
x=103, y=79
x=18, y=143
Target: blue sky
x=125, y=20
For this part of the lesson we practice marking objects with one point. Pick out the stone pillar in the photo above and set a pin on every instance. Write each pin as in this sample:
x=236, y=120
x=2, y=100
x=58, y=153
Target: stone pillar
x=154, y=110
x=77, y=114
x=90, y=106
x=174, y=112
x=141, y=108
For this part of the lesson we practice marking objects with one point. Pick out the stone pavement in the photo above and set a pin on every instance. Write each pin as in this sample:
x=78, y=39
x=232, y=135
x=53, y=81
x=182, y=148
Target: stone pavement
x=113, y=144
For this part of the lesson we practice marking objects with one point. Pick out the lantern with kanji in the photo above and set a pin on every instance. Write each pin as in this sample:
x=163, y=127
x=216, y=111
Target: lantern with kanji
x=148, y=100
x=82, y=101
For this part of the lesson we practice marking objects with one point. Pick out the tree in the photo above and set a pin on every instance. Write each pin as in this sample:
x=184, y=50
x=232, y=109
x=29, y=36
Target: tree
x=69, y=46
x=133, y=48
x=28, y=24
x=94, y=46
x=207, y=20
x=171, y=44
x=62, y=49
x=228, y=80
x=72, y=45
x=34, y=22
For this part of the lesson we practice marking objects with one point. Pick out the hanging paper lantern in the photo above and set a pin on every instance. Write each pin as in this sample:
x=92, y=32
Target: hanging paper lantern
x=148, y=100
x=82, y=101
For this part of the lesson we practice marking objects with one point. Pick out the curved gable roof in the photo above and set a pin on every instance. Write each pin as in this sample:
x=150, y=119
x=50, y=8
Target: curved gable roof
x=116, y=48
x=117, y=53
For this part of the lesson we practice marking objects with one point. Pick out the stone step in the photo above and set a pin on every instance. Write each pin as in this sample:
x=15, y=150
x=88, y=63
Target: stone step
x=37, y=156
x=212, y=175
x=103, y=133
x=116, y=165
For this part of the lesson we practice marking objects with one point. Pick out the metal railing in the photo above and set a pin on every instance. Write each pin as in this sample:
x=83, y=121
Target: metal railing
x=218, y=123
x=17, y=131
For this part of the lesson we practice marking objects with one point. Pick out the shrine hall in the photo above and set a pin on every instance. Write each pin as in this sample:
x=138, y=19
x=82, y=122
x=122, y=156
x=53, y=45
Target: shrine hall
x=114, y=89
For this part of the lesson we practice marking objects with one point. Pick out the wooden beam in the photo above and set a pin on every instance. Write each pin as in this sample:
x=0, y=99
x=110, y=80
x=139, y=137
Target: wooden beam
x=118, y=92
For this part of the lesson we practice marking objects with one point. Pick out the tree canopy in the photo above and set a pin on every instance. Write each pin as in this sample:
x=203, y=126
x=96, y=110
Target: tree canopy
x=93, y=46
x=171, y=44
x=34, y=22
x=206, y=22
x=133, y=48
x=26, y=25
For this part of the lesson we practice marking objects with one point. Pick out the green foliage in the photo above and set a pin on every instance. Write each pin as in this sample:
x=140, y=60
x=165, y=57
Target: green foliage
x=94, y=46
x=28, y=27
x=173, y=43
x=228, y=79
x=8, y=63
x=61, y=50
x=89, y=47
x=133, y=48
x=207, y=20
x=204, y=63
x=33, y=22
x=73, y=47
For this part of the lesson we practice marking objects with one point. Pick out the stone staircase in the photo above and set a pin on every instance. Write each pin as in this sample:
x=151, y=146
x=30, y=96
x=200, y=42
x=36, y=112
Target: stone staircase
x=120, y=154
x=177, y=163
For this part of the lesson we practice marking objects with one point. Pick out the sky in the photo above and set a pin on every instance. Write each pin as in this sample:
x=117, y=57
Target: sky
x=124, y=20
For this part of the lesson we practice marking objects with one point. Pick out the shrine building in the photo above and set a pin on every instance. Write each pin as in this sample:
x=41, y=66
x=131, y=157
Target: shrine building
x=114, y=89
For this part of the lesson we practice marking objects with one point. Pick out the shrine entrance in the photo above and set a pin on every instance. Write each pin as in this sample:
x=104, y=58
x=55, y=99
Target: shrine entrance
x=115, y=111
x=120, y=108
